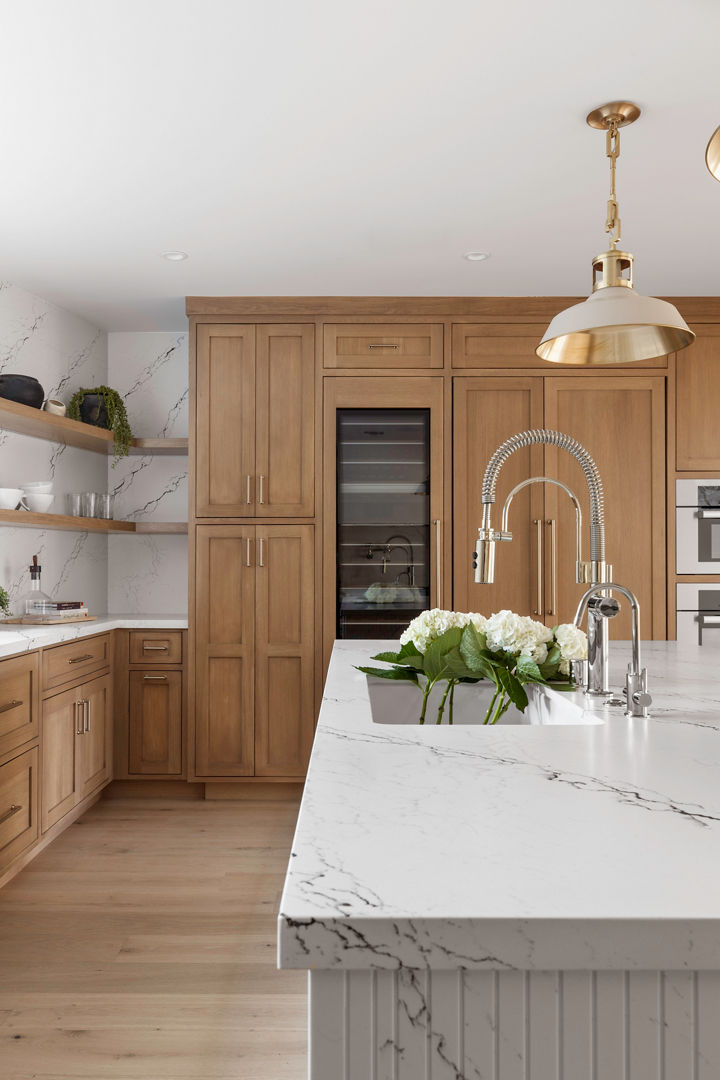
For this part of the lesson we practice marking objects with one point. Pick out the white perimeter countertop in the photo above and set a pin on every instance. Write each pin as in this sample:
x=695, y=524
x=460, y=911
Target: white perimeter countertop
x=19, y=638
x=575, y=847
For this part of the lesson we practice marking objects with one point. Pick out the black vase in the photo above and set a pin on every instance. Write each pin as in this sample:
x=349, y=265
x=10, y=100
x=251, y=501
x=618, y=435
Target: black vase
x=22, y=388
x=93, y=411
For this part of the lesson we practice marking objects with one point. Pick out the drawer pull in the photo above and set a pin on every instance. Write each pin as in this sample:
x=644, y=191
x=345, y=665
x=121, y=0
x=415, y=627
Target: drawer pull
x=14, y=809
x=10, y=705
x=149, y=677
x=78, y=730
x=382, y=346
x=261, y=483
x=79, y=659
x=155, y=648
x=86, y=707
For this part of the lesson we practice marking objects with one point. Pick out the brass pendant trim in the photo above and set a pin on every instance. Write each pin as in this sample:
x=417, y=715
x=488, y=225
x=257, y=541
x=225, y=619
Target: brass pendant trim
x=623, y=112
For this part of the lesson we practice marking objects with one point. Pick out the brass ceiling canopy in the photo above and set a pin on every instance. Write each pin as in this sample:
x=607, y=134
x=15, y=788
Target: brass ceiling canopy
x=615, y=325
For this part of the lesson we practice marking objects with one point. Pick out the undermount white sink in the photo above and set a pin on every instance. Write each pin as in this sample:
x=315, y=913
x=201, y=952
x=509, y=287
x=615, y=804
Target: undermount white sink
x=400, y=703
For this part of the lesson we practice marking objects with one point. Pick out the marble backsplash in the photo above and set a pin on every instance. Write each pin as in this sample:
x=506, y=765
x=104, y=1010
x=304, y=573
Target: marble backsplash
x=64, y=352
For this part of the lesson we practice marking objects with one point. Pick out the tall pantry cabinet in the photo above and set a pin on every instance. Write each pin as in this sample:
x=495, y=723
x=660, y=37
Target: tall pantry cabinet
x=253, y=530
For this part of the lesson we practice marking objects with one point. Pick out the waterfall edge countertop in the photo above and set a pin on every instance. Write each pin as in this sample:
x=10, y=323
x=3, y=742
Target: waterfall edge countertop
x=19, y=638
x=530, y=848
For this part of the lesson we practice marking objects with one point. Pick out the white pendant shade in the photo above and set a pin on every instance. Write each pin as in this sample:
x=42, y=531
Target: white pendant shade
x=614, y=325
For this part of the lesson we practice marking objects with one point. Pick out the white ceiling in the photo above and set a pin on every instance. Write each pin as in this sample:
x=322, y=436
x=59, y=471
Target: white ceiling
x=327, y=147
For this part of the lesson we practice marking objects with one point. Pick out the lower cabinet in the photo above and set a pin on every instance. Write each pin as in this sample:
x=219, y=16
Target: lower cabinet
x=18, y=805
x=255, y=650
x=155, y=727
x=76, y=747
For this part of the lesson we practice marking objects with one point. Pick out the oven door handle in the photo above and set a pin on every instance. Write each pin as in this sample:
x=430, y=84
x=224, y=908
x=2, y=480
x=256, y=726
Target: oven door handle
x=702, y=513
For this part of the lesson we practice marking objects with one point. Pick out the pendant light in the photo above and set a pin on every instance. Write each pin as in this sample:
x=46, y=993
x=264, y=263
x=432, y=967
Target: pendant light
x=615, y=325
x=712, y=154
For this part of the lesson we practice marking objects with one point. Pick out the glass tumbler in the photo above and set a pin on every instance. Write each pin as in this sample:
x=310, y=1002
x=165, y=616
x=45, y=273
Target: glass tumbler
x=87, y=503
x=104, y=506
x=74, y=504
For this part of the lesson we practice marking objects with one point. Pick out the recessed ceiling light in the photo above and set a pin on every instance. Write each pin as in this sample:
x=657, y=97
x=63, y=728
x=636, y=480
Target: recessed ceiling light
x=476, y=256
x=175, y=256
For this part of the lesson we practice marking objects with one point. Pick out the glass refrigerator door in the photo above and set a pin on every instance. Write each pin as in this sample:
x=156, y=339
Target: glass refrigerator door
x=383, y=520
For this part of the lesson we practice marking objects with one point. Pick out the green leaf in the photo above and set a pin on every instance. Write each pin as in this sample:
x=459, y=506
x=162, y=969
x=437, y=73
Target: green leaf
x=473, y=650
x=458, y=669
x=399, y=674
x=513, y=689
x=387, y=657
x=407, y=657
x=409, y=649
x=435, y=664
x=528, y=671
x=563, y=687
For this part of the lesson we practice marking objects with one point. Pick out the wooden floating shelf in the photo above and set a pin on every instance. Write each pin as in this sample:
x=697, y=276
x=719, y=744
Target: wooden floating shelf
x=25, y=520
x=44, y=425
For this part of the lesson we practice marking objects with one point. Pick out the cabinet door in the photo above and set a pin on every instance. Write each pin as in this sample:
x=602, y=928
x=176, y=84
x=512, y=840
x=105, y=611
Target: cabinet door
x=19, y=701
x=698, y=402
x=61, y=721
x=224, y=650
x=285, y=422
x=225, y=421
x=621, y=421
x=155, y=743
x=284, y=649
x=18, y=805
x=486, y=412
x=94, y=751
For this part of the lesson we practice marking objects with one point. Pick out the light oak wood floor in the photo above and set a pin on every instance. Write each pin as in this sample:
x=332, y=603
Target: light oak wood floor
x=141, y=946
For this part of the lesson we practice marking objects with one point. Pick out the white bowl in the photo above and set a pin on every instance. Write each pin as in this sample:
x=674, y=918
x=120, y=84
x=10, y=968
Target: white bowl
x=38, y=487
x=9, y=498
x=37, y=504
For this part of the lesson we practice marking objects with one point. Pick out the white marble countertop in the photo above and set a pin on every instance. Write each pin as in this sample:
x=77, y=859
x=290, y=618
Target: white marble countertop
x=582, y=847
x=19, y=638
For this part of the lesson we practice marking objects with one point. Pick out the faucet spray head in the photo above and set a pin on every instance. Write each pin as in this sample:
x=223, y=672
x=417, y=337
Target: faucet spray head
x=484, y=559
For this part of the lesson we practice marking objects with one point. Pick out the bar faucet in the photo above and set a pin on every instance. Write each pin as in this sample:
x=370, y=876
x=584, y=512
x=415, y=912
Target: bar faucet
x=638, y=698
x=595, y=572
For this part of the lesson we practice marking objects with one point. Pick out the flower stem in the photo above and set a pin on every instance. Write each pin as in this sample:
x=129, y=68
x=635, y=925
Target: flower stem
x=426, y=694
x=441, y=708
x=491, y=706
x=452, y=695
x=501, y=708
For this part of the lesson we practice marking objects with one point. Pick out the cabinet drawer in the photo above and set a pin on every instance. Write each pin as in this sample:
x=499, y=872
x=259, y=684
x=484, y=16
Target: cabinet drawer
x=18, y=701
x=156, y=647
x=390, y=345
x=71, y=663
x=18, y=805
x=507, y=346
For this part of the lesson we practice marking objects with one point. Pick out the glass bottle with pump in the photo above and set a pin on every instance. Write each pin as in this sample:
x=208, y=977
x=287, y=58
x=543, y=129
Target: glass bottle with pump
x=33, y=602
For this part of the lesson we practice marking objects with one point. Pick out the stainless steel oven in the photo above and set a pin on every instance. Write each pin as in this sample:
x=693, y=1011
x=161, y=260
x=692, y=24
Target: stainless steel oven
x=697, y=512
x=698, y=613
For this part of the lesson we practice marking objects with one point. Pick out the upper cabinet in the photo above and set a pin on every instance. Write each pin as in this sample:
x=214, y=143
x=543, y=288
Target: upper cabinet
x=698, y=401
x=383, y=345
x=507, y=345
x=255, y=422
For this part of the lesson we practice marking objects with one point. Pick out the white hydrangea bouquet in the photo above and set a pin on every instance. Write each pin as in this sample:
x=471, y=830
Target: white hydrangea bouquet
x=509, y=650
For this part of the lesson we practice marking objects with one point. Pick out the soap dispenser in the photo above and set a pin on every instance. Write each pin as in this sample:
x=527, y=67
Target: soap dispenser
x=34, y=601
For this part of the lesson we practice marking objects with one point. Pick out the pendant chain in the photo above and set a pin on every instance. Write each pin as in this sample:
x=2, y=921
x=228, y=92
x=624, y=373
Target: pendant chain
x=612, y=150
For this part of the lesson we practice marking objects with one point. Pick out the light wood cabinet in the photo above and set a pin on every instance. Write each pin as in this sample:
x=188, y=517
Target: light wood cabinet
x=19, y=701
x=156, y=647
x=698, y=402
x=19, y=826
x=255, y=440
x=76, y=747
x=155, y=723
x=511, y=344
x=383, y=345
x=68, y=664
x=621, y=422
x=254, y=681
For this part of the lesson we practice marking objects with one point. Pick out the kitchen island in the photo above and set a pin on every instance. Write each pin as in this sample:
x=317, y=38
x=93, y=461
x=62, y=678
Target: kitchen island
x=513, y=901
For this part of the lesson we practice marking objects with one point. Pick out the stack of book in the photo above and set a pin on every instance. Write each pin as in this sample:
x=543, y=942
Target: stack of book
x=57, y=611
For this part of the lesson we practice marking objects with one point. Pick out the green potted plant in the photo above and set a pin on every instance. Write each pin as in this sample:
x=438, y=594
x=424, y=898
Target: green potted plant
x=103, y=407
x=4, y=603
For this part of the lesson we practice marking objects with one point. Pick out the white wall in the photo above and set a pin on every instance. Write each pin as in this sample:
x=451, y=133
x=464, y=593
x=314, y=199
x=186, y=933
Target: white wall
x=64, y=352
x=149, y=573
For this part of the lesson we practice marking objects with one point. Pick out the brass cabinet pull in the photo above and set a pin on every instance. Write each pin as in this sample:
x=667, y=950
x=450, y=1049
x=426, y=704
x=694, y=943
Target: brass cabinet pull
x=552, y=610
x=248, y=497
x=14, y=809
x=247, y=551
x=438, y=562
x=260, y=551
x=538, y=525
x=155, y=648
x=10, y=705
x=86, y=710
x=79, y=659
x=380, y=345
x=261, y=481
x=78, y=730
x=149, y=678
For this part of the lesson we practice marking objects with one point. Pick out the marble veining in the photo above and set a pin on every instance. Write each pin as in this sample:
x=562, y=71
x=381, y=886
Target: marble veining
x=21, y=639
x=583, y=847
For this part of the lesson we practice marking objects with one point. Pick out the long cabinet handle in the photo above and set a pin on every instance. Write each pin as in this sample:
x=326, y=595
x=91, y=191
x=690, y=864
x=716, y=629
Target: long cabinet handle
x=248, y=496
x=386, y=345
x=79, y=659
x=14, y=809
x=537, y=522
x=86, y=707
x=10, y=705
x=248, y=542
x=438, y=560
x=79, y=725
x=261, y=542
x=149, y=678
x=552, y=610
x=261, y=484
